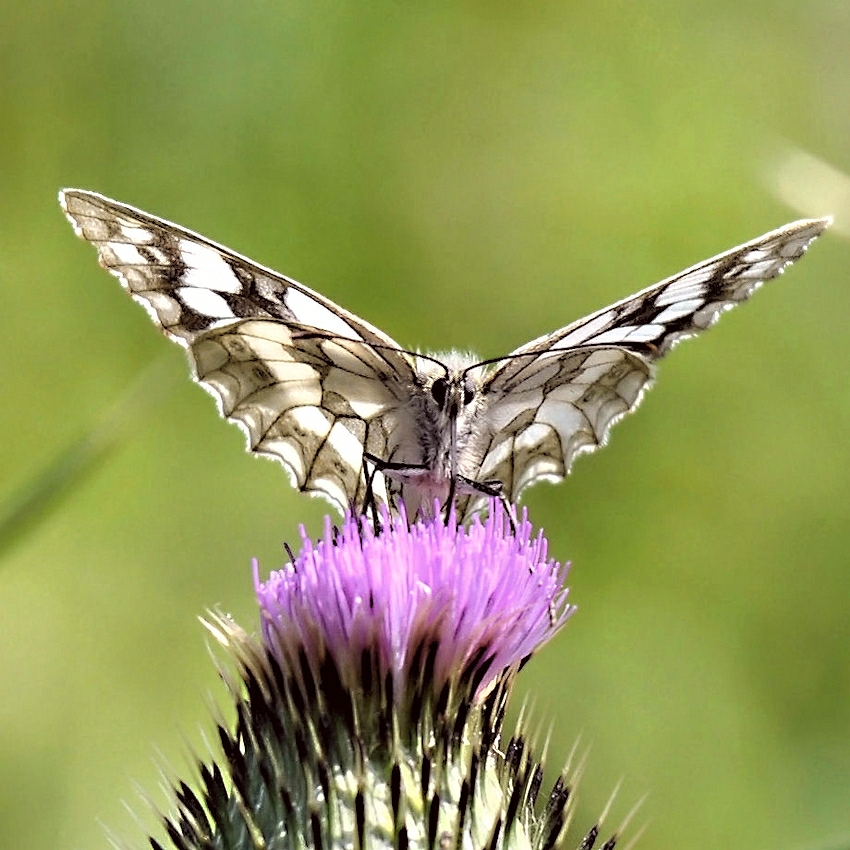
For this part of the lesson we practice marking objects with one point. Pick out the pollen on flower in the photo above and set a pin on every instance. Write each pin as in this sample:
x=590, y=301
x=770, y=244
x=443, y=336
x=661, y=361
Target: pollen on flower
x=460, y=604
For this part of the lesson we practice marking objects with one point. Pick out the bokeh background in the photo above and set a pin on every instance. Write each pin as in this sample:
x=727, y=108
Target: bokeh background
x=462, y=175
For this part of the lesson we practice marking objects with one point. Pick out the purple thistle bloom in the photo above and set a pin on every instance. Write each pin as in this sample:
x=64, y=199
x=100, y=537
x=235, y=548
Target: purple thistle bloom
x=485, y=597
x=370, y=715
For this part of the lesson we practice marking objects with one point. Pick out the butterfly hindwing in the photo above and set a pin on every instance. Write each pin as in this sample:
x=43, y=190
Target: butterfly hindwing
x=539, y=421
x=312, y=402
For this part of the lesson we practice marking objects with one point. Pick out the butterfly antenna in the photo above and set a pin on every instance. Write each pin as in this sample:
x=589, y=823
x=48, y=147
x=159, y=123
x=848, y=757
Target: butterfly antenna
x=491, y=360
x=518, y=355
x=317, y=334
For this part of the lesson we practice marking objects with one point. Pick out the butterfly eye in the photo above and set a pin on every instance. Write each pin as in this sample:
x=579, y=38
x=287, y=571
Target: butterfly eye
x=468, y=392
x=439, y=389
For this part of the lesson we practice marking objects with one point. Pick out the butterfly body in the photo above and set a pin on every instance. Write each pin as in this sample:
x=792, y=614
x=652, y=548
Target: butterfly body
x=447, y=403
x=354, y=417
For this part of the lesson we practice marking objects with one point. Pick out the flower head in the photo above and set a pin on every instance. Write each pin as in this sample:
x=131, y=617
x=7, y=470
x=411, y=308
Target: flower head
x=470, y=603
x=371, y=713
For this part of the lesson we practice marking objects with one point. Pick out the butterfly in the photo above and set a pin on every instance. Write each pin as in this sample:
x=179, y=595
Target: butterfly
x=356, y=418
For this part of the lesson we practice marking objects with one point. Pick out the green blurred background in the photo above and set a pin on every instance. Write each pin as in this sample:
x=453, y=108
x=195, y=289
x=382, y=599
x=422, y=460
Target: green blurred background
x=467, y=175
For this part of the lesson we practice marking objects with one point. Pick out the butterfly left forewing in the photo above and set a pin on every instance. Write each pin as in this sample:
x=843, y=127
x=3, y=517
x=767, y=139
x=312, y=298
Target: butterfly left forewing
x=189, y=283
x=558, y=396
x=309, y=383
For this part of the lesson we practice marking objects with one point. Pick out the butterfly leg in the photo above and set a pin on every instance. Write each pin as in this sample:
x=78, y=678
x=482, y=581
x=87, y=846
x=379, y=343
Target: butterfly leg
x=371, y=467
x=382, y=465
x=447, y=506
x=386, y=466
x=494, y=490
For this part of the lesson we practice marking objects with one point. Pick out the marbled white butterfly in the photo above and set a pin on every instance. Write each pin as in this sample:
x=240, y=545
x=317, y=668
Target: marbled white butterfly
x=354, y=417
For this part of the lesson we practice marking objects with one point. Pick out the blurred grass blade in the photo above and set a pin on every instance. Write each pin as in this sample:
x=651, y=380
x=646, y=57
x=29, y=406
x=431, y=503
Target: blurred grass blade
x=36, y=499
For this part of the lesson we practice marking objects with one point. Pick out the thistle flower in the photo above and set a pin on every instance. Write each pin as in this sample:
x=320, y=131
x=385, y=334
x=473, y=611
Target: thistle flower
x=370, y=713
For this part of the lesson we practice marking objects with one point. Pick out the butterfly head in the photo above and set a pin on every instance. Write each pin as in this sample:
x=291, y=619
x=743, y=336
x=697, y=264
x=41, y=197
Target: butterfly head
x=453, y=394
x=451, y=386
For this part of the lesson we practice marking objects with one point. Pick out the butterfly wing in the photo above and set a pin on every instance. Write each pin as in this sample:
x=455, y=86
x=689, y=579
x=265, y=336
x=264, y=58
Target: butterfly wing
x=559, y=395
x=309, y=383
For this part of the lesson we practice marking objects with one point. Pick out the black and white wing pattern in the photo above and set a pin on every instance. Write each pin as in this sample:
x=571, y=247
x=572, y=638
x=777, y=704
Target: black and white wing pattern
x=559, y=395
x=353, y=417
x=309, y=383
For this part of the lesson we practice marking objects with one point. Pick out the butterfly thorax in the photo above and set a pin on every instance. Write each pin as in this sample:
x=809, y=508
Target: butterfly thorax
x=447, y=406
x=452, y=403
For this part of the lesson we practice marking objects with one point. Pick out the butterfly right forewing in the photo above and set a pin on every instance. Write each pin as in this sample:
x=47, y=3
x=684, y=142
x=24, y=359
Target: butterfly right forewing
x=559, y=395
